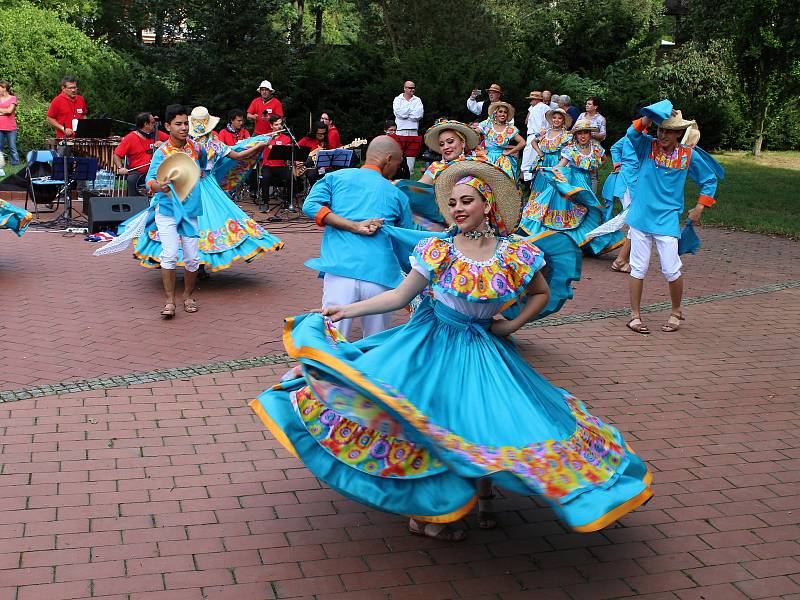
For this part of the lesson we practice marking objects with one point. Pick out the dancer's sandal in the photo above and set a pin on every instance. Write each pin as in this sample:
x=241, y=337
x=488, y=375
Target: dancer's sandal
x=436, y=531
x=189, y=305
x=168, y=311
x=486, y=518
x=673, y=323
x=636, y=325
x=621, y=266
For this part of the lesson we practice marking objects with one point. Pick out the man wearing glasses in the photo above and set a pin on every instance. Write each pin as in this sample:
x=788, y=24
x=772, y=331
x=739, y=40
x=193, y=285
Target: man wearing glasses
x=137, y=149
x=66, y=108
x=408, y=113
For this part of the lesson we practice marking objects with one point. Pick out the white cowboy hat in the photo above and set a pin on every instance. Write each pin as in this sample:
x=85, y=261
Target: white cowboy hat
x=182, y=171
x=201, y=122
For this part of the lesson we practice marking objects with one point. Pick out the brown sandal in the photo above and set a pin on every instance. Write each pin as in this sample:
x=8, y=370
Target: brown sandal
x=436, y=531
x=635, y=324
x=673, y=323
x=621, y=267
x=190, y=305
x=168, y=311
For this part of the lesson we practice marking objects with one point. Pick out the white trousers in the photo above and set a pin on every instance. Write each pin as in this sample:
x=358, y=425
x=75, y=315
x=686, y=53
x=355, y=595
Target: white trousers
x=642, y=245
x=410, y=161
x=338, y=290
x=171, y=242
x=528, y=155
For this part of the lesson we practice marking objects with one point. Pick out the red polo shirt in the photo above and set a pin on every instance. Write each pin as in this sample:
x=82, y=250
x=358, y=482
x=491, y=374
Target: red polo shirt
x=257, y=107
x=311, y=143
x=63, y=109
x=139, y=150
x=229, y=139
x=334, y=139
x=280, y=140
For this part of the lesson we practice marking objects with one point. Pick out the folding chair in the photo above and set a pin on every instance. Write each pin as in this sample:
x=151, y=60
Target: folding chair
x=42, y=188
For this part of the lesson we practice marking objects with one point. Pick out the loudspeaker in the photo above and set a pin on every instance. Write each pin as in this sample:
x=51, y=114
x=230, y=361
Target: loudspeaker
x=106, y=213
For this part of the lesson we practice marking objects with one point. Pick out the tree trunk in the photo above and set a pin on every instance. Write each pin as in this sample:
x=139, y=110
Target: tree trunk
x=390, y=32
x=297, y=27
x=761, y=118
x=318, y=11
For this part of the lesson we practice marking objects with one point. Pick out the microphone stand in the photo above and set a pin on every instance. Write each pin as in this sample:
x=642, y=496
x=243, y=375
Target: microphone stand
x=291, y=207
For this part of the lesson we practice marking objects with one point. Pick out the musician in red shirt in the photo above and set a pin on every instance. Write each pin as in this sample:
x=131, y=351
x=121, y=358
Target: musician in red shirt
x=316, y=139
x=274, y=172
x=234, y=131
x=334, y=139
x=66, y=107
x=137, y=147
x=264, y=107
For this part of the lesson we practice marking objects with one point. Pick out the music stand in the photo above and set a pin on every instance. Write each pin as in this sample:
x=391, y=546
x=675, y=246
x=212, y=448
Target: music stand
x=409, y=144
x=292, y=153
x=338, y=158
x=93, y=128
x=73, y=168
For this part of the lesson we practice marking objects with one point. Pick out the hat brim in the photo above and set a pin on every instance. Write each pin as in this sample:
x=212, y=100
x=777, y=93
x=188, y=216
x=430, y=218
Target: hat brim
x=676, y=125
x=209, y=127
x=496, y=105
x=548, y=116
x=591, y=129
x=506, y=194
x=182, y=171
x=471, y=137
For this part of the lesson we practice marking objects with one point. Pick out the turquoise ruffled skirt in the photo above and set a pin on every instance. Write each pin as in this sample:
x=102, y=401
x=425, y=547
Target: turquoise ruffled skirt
x=408, y=420
x=227, y=234
x=568, y=205
x=14, y=218
x=540, y=184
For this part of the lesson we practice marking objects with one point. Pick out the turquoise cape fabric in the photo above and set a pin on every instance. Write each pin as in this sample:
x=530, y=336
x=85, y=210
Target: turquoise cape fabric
x=406, y=422
x=14, y=218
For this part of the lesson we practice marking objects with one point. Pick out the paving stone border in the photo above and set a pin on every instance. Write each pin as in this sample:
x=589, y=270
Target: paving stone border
x=239, y=364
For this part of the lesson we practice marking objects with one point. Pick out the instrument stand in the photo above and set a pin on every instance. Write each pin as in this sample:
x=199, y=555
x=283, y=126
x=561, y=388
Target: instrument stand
x=292, y=152
x=66, y=218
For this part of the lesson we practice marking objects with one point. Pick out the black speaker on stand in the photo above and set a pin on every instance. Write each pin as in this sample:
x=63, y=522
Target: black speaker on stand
x=104, y=212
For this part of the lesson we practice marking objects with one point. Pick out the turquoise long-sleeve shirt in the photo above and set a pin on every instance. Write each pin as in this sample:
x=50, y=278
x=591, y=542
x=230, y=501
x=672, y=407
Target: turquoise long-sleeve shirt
x=358, y=195
x=657, y=197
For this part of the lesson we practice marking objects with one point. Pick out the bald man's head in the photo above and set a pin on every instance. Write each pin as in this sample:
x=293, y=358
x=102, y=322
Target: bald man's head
x=385, y=153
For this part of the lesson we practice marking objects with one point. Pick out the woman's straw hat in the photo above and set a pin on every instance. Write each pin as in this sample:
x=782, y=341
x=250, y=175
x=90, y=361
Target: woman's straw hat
x=201, y=122
x=470, y=136
x=567, y=117
x=507, y=197
x=495, y=105
x=583, y=125
x=182, y=171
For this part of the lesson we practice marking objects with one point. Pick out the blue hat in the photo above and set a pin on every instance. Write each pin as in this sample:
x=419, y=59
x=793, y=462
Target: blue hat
x=658, y=112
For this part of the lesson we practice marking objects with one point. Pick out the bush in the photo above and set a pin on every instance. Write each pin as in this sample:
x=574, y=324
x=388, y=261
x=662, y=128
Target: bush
x=37, y=50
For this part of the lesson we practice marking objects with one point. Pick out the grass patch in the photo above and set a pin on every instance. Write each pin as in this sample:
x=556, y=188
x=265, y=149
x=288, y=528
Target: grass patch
x=760, y=195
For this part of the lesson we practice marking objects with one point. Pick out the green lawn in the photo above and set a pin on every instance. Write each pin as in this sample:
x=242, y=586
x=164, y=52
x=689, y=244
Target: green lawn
x=758, y=194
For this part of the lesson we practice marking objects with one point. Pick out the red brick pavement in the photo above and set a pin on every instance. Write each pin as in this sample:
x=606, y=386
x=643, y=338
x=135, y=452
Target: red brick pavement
x=174, y=490
x=69, y=315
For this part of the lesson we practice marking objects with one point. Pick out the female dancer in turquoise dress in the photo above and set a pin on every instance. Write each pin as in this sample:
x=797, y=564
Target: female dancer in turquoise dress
x=14, y=218
x=569, y=205
x=548, y=144
x=423, y=418
x=227, y=234
x=502, y=140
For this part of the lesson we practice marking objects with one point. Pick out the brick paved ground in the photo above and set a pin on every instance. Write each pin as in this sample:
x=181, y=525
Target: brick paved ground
x=173, y=489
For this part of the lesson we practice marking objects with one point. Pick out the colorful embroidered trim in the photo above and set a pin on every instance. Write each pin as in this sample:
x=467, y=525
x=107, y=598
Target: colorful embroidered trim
x=363, y=447
x=585, y=162
x=502, y=277
x=555, y=219
x=679, y=158
x=555, y=144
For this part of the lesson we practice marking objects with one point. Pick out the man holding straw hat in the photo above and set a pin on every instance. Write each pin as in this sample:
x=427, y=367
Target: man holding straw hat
x=658, y=201
x=172, y=176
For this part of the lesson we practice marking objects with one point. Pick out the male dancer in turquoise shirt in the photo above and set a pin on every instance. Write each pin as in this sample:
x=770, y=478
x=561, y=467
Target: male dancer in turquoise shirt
x=658, y=203
x=356, y=258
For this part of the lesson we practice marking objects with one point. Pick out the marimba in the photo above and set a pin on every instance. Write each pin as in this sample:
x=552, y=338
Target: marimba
x=100, y=148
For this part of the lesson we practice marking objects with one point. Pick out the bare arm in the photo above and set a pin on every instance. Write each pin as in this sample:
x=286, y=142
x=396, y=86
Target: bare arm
x=249, y=152
x=388, y=301
x=426, y=179
x=56, y=125
x=368, y=227
x=562, y=163
x=538, y=293
x=118, y=165
x=535, y=146
x=516, y=149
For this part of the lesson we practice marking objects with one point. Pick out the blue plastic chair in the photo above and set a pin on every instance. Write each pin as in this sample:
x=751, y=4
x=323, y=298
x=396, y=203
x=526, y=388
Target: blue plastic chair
x=42, y=188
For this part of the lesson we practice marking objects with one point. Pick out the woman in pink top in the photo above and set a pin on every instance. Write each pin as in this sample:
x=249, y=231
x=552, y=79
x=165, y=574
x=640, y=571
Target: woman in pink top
x=8, y=122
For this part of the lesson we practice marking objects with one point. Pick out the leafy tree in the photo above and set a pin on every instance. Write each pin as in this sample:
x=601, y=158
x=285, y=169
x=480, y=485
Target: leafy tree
x=764, y=38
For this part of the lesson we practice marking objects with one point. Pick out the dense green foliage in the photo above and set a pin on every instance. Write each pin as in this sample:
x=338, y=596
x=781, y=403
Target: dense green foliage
x=351, y=56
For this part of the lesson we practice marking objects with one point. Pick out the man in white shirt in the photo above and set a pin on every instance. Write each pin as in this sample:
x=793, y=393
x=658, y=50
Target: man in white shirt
x=408, y=113
x=481, y=108
x=534, y=123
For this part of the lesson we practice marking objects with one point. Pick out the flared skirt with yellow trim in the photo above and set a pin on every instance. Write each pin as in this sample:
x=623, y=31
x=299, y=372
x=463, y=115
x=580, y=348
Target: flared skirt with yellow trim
x=408, y=420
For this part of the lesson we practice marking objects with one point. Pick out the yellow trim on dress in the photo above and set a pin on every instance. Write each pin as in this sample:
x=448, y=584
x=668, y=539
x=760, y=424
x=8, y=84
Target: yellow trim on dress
x=450, y=517
x=273, y=427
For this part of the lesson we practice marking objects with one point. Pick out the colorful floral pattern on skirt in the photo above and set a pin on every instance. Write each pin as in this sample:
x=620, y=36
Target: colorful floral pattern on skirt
x=555, y=219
